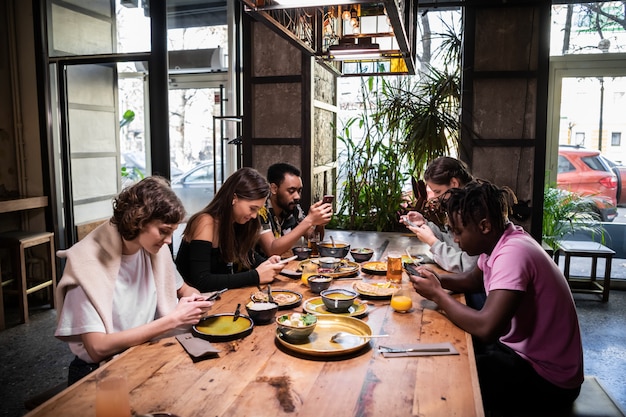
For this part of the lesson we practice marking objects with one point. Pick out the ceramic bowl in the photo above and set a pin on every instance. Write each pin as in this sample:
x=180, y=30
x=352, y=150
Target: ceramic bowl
x=361, y=254
x=261, y=313
x=319, y=283
x=338, y=300
x=329, y=262
x=296, y=326
x=302, y=252
x=340, y=250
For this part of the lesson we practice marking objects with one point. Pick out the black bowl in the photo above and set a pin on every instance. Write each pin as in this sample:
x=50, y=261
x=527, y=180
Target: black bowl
x=361, y=254
x=340, y=250
x=261, y=313
x=302, y=252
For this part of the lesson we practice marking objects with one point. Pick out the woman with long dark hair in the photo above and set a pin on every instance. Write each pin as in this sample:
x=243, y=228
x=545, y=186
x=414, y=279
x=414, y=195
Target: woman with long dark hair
x=217, y=247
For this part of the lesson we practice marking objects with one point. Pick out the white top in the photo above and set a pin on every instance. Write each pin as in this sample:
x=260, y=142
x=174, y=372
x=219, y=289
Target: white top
x=134, y=303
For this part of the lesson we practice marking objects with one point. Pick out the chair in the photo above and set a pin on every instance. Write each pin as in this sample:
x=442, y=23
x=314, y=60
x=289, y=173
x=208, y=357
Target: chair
x=585, y=249
x=23, y=267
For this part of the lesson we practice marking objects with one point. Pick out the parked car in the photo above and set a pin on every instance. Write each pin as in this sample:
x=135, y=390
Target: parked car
x=133, y=166
x=620, y=172
x=587, y=172
x=197, y=186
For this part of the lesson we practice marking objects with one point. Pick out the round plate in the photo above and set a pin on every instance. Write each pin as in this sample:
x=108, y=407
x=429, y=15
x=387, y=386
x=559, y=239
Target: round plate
x=284, y=298
x=376, y=291
x=319, y=344
x=375, y=267
x=414, y=259
x=222, y=328
x=316, y=306
x=346, y=268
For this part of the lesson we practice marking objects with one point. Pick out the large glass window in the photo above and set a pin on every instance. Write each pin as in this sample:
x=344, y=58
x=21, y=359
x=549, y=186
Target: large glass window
x=588, y=28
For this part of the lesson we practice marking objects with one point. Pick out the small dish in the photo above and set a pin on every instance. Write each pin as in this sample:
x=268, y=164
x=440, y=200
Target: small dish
x=315, y=305
x=376, y=268
x=328, y=262
x=295, y=326
x=284, y=298
x=302, y=252
x=261, y=313
x=319, y=283
x=338, y=300
x=361, y=254
x=375, y=291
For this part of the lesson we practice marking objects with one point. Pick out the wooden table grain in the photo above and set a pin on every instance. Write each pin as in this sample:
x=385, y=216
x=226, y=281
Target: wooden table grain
x=256, y=376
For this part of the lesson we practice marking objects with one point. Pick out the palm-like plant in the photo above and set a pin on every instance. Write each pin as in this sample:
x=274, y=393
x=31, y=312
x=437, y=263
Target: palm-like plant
x=424, y=112
x=565, y=212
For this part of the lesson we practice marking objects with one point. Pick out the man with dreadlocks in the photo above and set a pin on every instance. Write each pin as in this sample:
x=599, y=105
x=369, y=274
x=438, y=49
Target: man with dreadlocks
x=529, y=354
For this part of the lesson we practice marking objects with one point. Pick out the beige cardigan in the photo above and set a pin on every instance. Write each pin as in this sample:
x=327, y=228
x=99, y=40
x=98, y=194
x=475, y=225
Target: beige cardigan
x=94, y=264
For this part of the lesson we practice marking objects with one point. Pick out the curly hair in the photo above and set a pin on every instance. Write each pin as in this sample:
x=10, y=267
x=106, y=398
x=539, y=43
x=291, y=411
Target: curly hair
x=479, y=200
x=441, y=171
x=144, y=202
x=235, y=240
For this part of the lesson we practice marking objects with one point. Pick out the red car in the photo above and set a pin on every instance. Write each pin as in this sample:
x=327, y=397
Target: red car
x=620, y=171
x=587, y=172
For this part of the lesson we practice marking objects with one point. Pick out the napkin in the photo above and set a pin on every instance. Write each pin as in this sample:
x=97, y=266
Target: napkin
x=447, y=345
x=196, y=347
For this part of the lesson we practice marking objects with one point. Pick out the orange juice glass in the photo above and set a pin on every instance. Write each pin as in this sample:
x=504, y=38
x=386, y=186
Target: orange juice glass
x=112, y=399
x=401, y=300
x=394, y=267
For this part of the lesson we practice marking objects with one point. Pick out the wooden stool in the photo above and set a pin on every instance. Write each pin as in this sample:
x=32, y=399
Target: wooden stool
x=16, y=243
x=591, y=250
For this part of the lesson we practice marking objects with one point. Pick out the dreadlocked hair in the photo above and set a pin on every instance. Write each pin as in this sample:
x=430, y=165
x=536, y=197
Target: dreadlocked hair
x=479, y=200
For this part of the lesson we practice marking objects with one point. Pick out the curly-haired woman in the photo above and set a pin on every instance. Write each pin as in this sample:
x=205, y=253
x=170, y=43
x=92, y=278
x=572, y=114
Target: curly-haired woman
x=120, y=287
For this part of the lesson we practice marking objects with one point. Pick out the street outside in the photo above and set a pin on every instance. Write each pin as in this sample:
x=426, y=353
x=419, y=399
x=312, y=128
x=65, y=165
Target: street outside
x=621, y=215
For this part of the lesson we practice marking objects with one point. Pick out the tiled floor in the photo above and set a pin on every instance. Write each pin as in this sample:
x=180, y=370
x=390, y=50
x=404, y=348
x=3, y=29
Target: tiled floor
x=32, y=360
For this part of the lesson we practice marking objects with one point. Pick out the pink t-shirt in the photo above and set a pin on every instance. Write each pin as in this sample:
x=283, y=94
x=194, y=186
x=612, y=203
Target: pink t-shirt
x=545, y=329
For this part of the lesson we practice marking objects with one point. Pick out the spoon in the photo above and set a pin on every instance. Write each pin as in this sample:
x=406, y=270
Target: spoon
x=270, y=299
x=332, y=241
x=411, y=258
x=342, y=335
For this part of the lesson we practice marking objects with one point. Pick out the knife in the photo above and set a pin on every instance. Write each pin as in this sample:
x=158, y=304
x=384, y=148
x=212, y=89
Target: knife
x=237, y=312
x=424, y=349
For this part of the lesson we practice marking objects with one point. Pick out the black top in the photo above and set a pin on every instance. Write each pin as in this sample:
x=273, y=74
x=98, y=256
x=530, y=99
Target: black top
x=202, y=267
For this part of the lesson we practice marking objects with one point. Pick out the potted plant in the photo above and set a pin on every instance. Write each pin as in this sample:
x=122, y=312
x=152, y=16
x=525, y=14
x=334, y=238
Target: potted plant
x=564, y=213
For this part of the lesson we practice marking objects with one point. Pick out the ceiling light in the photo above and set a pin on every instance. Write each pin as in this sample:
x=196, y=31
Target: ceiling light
x=312, y=3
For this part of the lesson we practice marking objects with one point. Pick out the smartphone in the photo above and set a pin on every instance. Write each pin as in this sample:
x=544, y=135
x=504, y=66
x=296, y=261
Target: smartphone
x=286, y=260
x=328, y=198
x=411, y=270
x=408, y=222
x=216, y=295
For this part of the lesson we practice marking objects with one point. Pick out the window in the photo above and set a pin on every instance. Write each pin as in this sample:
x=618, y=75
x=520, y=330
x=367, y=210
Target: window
x=616, y=138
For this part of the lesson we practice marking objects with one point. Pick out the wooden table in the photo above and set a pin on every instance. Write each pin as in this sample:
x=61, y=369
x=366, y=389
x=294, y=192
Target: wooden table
x=256, y=376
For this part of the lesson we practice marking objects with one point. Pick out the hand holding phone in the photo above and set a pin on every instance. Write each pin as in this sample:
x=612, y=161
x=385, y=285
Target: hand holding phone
x=328, y=198
x=286, y=260
x=215, y=295
x=408, y=222
x=411, y=269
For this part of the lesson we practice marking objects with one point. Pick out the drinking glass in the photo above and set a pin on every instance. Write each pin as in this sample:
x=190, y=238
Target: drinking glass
x=394, y=267
x=112, y=399
x=313, y=241
x=401, y=300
